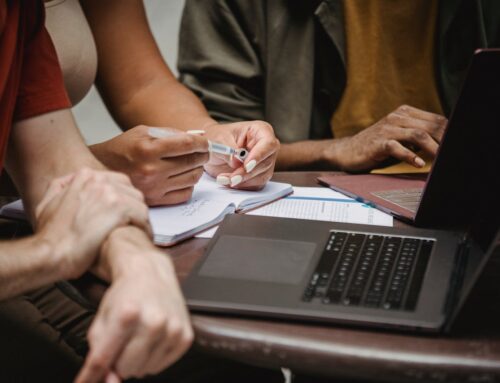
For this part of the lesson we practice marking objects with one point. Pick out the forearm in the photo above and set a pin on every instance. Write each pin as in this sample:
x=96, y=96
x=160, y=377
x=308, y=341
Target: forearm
x=162, y=102
x=27, y=264
x=43, y=148
x=310, y=154
x=133, y=79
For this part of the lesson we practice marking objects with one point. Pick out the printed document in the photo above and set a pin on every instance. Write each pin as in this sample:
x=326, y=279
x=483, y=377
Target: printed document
x=320, y=204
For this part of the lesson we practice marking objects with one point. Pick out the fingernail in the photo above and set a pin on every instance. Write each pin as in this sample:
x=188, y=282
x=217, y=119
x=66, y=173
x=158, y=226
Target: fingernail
x=235, y=180
x=198, y=132
x=250, y=166
x=223, y=180
x=419, y=162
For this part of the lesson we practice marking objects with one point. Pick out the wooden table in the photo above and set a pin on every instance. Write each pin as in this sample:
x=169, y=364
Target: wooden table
x=470, y=353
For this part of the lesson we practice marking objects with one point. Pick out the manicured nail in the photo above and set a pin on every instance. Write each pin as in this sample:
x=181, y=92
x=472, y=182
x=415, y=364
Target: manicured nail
x=250, y=166
x=198, y=132
x=235, y=180
x=223, y=180
x=419, y=162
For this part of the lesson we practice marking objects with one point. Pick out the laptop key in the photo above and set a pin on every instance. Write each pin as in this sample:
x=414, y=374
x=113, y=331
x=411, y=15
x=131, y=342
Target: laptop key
x=387, y=257
x=317, y=286
x=363, y=269
x=418, y=274
x=345, y=267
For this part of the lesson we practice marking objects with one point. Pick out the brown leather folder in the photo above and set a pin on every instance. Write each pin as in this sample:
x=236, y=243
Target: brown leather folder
x=365, y=187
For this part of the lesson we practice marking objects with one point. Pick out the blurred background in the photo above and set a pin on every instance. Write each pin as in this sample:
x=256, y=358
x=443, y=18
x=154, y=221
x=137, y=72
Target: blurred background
x=164, y=18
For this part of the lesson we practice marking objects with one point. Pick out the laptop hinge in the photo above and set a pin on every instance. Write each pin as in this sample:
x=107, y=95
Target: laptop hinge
x=456, y=280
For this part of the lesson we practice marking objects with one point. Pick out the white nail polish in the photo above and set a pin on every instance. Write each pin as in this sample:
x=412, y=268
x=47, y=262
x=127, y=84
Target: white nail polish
x=196, y=132
x=250, y=166
x=235, y=180
x=223, y=180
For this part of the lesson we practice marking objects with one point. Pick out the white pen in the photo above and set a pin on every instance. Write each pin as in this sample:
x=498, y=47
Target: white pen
x=213, y=147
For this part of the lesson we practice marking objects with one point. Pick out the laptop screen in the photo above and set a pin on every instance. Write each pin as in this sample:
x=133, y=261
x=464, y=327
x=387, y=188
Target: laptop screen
x=463, y=187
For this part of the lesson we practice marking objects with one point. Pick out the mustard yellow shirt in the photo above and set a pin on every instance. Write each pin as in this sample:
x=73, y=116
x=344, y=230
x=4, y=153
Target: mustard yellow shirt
x=390, y=61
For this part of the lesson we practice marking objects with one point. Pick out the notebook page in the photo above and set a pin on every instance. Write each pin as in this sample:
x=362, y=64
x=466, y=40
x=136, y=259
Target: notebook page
x=242, y=199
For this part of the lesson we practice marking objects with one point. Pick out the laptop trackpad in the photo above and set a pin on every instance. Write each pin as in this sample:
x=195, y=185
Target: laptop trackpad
x=257, y=259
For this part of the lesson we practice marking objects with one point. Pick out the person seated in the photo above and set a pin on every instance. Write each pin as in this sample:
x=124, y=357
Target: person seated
x=85, y=218
x=140, y=91
x=346, y=85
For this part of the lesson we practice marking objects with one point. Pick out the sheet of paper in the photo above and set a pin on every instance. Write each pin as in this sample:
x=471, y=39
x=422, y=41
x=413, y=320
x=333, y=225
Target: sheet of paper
x=321, y=204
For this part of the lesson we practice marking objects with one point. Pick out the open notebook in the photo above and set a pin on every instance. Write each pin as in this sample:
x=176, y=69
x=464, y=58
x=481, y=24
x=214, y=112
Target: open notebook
x=207, y=208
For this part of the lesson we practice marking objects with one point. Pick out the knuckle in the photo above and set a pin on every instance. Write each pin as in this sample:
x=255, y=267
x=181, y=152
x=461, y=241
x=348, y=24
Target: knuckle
x=128, y=315
x=84, y=172
x=384, y=129
x=147, y=170
x=188, y=336
x=189, y=141
x=436, y=128
x=389, y=145
x=187, y=193
x=97, y=364
x=403, y=108
x=92, y=335
x=393, y=118
x=143, y=148
x=175, y=328
x=277, y=143
x=418, y=135
x=196, y=175
x=265, y=125
x=156, y=323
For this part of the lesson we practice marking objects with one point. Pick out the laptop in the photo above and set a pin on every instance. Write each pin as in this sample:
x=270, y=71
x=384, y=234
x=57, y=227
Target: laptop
x=466, y=166
x=394, y=278
x=405, y=278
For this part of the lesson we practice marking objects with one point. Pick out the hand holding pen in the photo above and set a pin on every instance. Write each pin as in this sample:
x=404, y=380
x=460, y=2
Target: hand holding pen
x=213, y=147
x=258, y=167
x=251, y=144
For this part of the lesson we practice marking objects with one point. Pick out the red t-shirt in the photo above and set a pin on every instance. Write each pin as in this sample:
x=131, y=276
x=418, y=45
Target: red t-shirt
x=31, y=81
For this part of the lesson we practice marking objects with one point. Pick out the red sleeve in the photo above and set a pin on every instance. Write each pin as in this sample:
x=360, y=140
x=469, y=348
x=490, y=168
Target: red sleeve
x=41, y=88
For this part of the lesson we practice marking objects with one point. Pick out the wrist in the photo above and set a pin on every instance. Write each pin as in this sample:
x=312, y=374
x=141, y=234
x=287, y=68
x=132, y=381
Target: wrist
x=128, y=250
x=333, y=154
x=52, y=255
x=304, y=155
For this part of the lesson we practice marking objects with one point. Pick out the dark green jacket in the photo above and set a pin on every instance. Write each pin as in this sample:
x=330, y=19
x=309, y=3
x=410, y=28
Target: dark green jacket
x=283, y=61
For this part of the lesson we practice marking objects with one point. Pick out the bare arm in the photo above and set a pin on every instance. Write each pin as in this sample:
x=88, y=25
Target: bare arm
x=48, y=146
x=43, y=148
x=134, y=80
x=139, y=89
x=26, y=264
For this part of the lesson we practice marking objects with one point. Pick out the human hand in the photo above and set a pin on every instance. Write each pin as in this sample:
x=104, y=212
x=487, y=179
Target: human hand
x=258, y=137
x=79, y=211
x=396, y=135
x=164, y=169
x=142, y=325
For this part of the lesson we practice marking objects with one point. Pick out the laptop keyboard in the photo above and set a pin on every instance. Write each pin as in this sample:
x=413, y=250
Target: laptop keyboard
x=406, y=198
x=376, y=271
